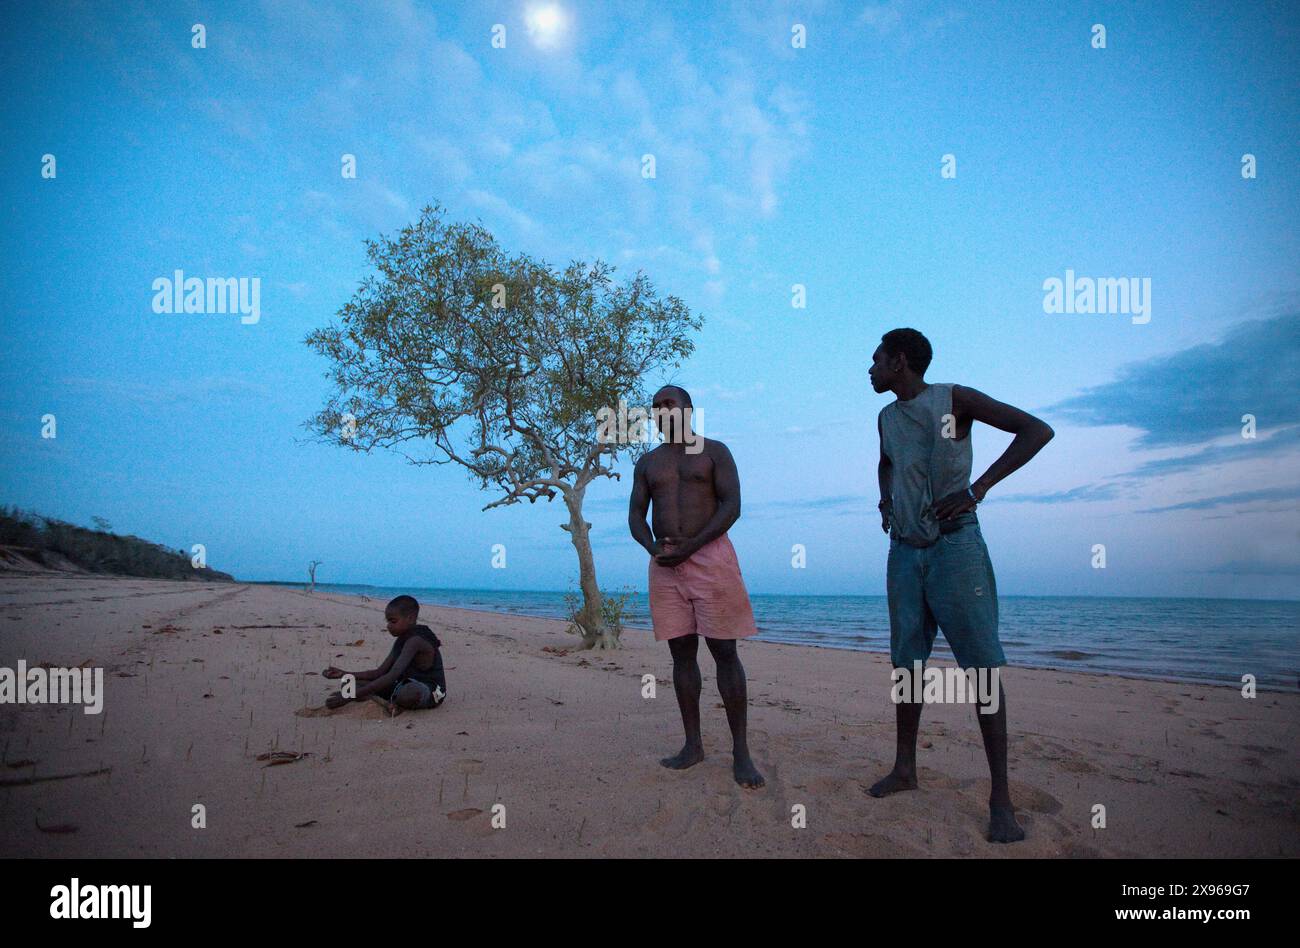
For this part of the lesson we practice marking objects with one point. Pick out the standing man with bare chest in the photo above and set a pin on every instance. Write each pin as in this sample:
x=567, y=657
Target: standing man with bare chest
x=696, y=588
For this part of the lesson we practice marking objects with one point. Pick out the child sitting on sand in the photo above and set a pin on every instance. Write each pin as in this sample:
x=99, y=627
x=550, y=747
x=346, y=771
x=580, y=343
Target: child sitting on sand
x=411, y=676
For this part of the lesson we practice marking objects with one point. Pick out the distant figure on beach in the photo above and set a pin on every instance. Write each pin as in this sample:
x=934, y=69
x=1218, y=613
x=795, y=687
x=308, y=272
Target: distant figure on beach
x=695, y=584
x=939, y=573
x=411, y=676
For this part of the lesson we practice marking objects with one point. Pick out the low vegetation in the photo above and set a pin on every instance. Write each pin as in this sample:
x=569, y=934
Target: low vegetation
x=56, y=544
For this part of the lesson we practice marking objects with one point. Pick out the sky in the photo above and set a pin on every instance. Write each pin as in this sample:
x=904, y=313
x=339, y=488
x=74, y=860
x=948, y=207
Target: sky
x=778, y=163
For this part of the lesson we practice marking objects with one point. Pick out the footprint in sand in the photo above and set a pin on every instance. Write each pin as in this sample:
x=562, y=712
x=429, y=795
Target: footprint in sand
x=1026, y=797
x=870, y=845
x=820, y=787
x=661, y=818
x=1076, y=850
x=1034, y=799
x=936, y=780
x=1079, y=766
x=1069, y=760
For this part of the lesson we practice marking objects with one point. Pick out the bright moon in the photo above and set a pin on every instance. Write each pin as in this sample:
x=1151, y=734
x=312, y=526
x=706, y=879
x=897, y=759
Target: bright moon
x=546, y=25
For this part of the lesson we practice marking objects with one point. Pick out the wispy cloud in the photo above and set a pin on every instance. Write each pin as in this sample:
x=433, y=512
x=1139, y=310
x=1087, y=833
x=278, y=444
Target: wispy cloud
x=1238, y=449
x=1255, y=568
x=1084, y=492
x=896, y=17
x=498, y=207
x=1200, y=394
x=834, y=505
x=1287, y=493
x=1197, y=397
x=884, y=18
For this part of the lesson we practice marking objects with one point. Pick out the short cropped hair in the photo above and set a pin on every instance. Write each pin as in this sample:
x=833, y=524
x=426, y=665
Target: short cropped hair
x=910, y=343
x=685, y=395
x=404, y=606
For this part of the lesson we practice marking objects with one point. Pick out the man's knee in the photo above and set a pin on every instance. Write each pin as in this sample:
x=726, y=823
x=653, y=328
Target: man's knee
x=990, y=699
x=683, y=648
x=723, y=651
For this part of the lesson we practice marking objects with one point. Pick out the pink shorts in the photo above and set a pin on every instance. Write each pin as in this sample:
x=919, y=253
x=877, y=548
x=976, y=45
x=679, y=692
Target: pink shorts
x=706, y=595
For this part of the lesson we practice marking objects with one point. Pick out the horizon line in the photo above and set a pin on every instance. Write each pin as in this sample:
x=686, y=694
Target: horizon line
x=477, y=589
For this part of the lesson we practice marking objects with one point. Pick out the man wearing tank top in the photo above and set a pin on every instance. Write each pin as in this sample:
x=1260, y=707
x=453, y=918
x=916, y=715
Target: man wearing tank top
x=939, y=574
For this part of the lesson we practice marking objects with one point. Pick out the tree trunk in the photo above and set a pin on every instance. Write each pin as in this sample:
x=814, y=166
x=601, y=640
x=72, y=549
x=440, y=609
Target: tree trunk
x=588, y=619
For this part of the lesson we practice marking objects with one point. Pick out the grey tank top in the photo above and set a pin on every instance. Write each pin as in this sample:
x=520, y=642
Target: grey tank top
x=927, y=465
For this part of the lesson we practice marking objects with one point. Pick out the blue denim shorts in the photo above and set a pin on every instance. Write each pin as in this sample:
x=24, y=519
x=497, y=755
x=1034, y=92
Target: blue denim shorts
x=948, y=586
x=428, y=697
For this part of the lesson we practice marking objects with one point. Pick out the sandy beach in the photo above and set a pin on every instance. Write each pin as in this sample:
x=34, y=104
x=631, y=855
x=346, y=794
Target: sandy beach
x=202, y=678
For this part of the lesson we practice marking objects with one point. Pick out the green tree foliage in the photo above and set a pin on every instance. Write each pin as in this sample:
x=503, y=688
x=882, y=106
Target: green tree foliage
x=456, y=352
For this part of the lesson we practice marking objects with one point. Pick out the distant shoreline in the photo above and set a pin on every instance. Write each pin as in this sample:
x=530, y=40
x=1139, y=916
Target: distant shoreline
x=1275, y=682
x=755, y=595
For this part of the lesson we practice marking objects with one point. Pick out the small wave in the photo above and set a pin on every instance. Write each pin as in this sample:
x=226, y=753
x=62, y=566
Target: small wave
x=1070, y=655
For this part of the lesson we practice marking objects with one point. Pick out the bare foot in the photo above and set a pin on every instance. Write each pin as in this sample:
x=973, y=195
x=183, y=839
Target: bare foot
x=1003, y=827
x=688, y=756
x=893, y=782
x=747, y=774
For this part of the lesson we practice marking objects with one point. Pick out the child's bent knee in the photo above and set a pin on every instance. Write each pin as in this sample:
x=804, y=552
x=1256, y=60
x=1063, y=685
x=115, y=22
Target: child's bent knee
x=409, y=696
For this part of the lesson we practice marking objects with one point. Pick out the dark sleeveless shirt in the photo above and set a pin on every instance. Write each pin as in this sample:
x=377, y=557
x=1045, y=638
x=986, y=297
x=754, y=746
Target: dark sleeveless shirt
x=433, y=676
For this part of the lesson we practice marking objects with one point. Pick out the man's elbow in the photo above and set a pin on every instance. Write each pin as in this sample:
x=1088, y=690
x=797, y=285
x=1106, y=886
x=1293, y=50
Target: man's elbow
x=1046, y=433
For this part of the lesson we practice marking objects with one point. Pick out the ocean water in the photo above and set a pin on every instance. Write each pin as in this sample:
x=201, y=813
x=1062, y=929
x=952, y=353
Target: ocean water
x=1205, y=640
